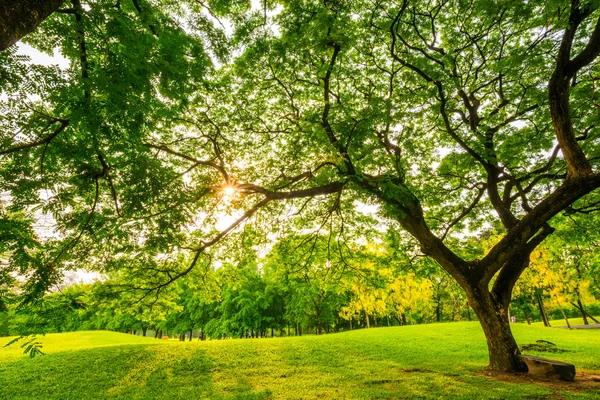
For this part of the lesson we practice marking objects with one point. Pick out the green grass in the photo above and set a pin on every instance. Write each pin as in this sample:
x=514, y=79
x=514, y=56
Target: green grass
x=424, y=361
x=572, y=321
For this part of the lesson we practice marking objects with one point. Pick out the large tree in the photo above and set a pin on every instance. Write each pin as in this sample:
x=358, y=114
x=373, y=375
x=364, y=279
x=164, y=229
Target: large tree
x=451, y=116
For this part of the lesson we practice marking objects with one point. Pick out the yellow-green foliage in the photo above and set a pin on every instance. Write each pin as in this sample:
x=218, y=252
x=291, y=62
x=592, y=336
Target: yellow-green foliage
x=422, y=361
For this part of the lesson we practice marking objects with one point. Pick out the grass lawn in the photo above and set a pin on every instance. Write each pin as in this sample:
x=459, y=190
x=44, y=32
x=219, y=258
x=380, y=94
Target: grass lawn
x=572, y=321
x=425, y=361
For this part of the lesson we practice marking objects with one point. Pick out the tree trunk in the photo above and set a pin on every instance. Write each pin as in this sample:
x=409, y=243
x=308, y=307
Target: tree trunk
x=191, y=334
x=20, y=17
x=590, y=316
x=368, y=323
x=403, y=316
x=538, y=296
x=580, y=306
x=144, y=329
x=493, y=317
x=564, y=315
x=453, y=310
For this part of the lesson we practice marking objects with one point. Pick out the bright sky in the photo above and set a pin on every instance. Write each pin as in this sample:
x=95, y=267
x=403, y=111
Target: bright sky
x=38, y=57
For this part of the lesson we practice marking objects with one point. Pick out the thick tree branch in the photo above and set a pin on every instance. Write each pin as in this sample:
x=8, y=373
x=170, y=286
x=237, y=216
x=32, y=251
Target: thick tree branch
x=211, y=164
x=588, y=54
x=140, y=12
x=327, y=107
x=20, y=17
x=106, y=173
x=466, y=211
x=47, y=139
x=530, y=224
x=334, y=187
x=559, y=90
x=510, y=273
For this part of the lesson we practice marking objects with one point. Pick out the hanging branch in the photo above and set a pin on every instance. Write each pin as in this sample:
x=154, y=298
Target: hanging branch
x=46, y=140
x=75, y=240
x=107, y=175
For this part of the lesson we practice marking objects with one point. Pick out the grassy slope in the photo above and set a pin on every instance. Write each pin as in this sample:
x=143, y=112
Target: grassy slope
x=425, y=361
x=572, y=321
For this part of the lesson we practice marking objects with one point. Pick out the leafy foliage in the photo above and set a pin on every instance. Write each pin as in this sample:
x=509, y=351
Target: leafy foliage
x=31, y=345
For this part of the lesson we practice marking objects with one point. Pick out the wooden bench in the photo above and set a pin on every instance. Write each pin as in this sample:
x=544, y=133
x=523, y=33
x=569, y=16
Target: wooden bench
x=544, y=368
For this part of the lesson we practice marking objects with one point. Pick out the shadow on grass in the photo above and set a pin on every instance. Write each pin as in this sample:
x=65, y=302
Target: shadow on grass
x=398, y=363
x=125, y=372
x=428, y=367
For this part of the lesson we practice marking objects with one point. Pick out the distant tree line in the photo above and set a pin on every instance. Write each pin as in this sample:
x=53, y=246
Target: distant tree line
x=301, y=288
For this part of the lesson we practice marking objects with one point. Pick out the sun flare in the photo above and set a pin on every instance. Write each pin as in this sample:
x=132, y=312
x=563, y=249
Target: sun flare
x=229, y=191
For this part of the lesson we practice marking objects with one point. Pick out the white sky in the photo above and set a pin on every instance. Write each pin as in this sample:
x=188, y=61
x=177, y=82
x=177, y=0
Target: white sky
x=38, y=57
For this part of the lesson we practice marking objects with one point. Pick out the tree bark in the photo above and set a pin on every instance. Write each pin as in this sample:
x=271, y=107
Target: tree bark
x=580, y=306
x=559, y=85
x=542, y=309
x=564, y=315
x=585, y=313
x=493, y=317
x=20, y=17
